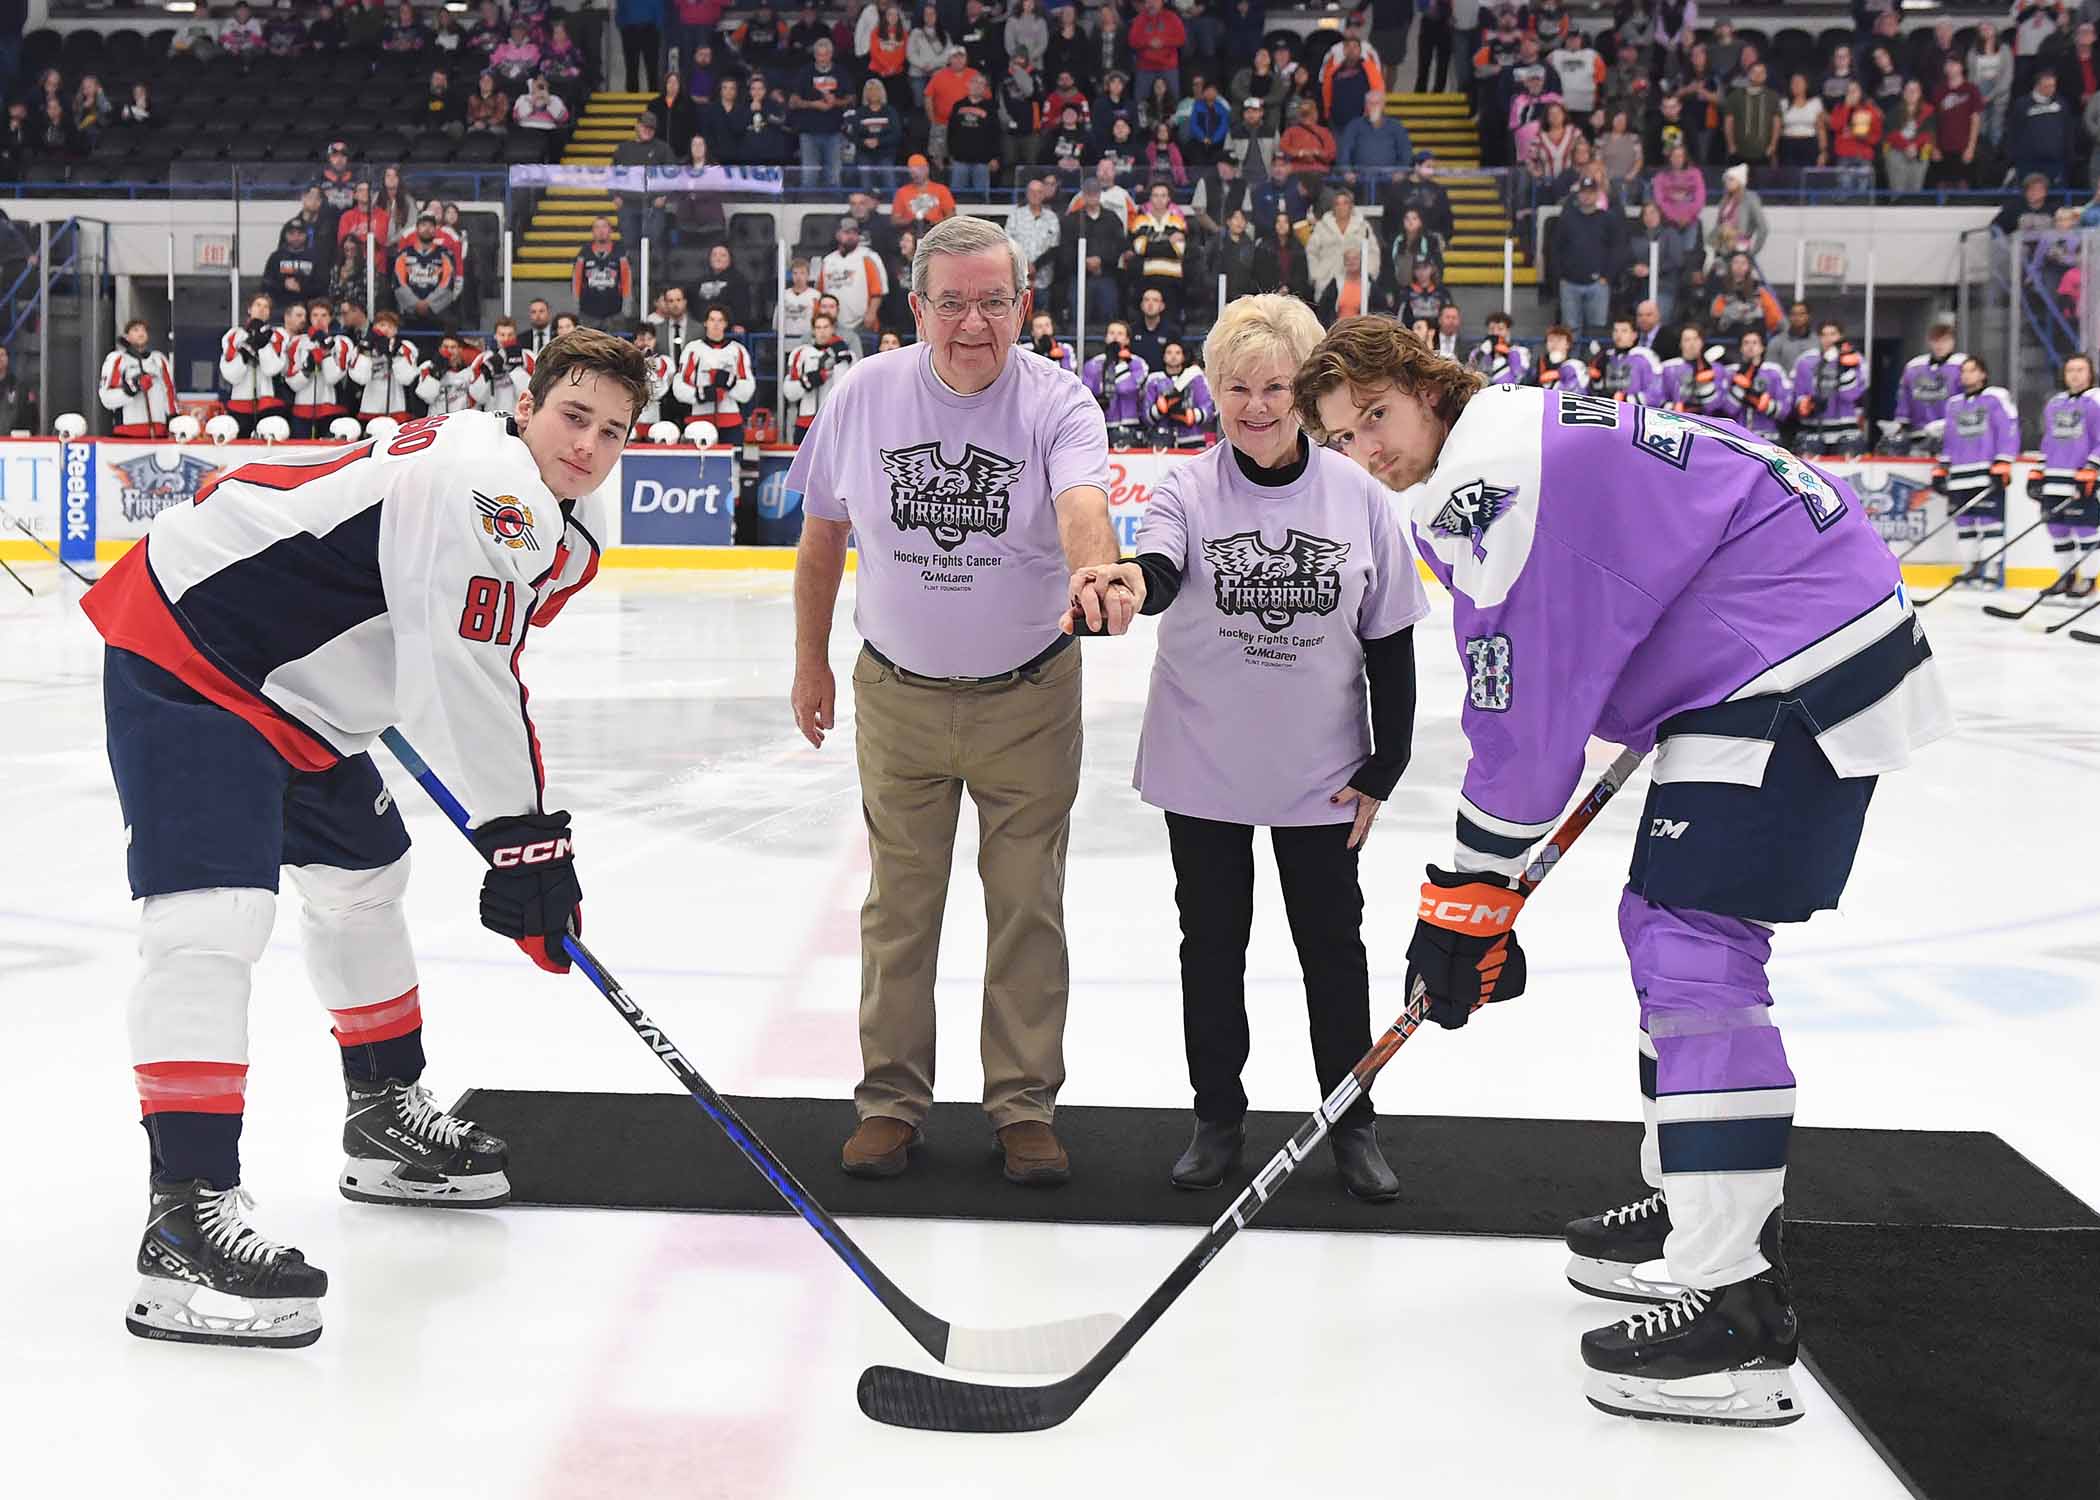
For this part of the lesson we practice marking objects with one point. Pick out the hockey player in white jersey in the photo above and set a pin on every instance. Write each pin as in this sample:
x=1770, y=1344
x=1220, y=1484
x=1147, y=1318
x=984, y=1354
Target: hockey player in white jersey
x=716, y=379
x=814, y=370
x=443, y=381
x=138, y=385
x=251, y=361
x=502, y=372
x=316, y=365
x=385, y=367
x=660, y=375
x=256, y=643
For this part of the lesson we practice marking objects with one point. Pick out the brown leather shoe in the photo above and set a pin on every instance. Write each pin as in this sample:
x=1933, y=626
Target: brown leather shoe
x=1033, y=1156
x=878, y=1147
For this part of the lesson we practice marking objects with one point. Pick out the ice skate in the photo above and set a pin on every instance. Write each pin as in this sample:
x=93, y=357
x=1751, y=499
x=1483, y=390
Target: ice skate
x=1722, y=1358
x=1618, y=1254
x=253, y=1291
x=403, y=1149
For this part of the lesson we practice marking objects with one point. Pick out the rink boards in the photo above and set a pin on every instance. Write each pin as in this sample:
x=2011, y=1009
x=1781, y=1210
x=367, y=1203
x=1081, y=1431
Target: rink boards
x=674, y=506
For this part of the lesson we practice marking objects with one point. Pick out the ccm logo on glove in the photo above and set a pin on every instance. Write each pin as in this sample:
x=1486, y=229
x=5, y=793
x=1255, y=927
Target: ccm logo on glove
x=545, y=851
x=1468, y=916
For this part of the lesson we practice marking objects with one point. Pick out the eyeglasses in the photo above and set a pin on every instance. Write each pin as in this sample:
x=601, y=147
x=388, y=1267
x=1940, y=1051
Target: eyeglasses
x=993, y=308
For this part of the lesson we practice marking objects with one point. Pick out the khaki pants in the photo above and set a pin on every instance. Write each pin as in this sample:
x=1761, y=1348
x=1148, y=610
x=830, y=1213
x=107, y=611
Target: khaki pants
x=1015, y=746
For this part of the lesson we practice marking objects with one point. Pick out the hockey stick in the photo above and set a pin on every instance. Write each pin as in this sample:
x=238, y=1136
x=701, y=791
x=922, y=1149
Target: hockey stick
x=906, y=1398
x=2000, y=612
x=1981, y=562
x=22, y=526
x=1043, y=1349
x=1952, y=516
x=18, y=578
x=2082, y=635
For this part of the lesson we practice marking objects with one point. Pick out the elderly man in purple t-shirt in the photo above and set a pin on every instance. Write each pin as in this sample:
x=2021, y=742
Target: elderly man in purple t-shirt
x=975, y=476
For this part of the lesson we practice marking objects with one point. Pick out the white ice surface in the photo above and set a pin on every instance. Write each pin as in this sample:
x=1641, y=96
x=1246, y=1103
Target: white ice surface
x=571, y=1354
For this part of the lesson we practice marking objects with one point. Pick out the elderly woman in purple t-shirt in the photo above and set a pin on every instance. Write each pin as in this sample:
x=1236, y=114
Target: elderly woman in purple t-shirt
x=1285, y=589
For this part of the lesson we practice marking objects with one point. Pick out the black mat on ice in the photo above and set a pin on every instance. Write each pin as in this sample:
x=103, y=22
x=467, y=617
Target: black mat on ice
x=1950, y=1290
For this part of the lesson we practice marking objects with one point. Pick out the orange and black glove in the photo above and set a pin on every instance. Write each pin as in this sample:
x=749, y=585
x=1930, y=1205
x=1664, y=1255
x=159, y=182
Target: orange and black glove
x=2001, y=474
x=1939, y=478
x=1549, y=375
x=1464, y=950
x=2086, y=480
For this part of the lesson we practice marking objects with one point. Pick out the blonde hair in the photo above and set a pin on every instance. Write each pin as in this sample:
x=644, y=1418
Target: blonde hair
x=1251, y=328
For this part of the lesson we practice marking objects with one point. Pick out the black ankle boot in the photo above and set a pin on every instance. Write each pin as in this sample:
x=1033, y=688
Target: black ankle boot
x=1363, y=1168
x=1213, y=1151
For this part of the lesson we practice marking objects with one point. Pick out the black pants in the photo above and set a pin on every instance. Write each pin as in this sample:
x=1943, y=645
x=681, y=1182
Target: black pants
x=643, y=46
x=1214, y=893
x=1432, y=55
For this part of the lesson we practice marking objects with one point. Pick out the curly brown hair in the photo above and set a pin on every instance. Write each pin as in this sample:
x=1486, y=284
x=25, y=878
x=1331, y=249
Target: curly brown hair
x=1371, y=354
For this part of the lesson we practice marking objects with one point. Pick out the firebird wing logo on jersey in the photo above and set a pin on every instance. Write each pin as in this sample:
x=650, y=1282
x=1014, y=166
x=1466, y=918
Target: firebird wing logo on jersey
x=949, y=500
x=1276, y=584
x=503, y=518
x=146, y=487
x=1471, y=510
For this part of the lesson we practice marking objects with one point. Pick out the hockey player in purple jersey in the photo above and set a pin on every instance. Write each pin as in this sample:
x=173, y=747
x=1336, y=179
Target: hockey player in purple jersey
x=1625, y=371
x=257, y=642
x=2071, y=471
x=1929, y=381
x=1692, y=381
x=1498, y=357
x=1558, y=368
x=1121, y=391
x=1179, y=411
x=1675, y=584
x=1753, y=392
x=1980, y=441
x=1830, y=396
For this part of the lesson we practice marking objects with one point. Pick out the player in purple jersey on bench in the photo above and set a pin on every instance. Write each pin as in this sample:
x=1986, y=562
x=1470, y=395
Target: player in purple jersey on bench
x=1671, y=583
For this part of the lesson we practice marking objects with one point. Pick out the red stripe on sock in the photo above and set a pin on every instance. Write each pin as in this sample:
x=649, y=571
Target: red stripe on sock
x=204, y=1088
x=379, y=1023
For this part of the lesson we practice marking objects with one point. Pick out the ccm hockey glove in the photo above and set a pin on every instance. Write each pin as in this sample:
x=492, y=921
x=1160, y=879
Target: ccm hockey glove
x=1464, y=949
x=530, y=893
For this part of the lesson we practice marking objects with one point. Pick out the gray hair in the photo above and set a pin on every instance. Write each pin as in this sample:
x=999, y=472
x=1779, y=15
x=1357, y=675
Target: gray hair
x=964, y=234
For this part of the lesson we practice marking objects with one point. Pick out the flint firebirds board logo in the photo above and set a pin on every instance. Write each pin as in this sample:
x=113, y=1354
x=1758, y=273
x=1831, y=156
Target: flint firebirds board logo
x=1276, y=584
x=1473, y=507
x=1897, y=508
x=503, y=518
x=949, y=500
x=147, y=487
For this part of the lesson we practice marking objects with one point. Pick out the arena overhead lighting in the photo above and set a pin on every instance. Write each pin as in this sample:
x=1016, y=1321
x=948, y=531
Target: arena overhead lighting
x=181, y=7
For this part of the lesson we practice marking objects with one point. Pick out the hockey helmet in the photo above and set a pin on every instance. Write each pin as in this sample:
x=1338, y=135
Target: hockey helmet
x=702, y=433
x=273, y=430
x=71, y=426
x=185, y=428
x=222, y=428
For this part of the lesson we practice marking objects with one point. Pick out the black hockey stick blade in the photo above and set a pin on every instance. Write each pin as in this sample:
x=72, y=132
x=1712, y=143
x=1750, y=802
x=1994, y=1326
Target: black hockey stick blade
x=2065, y=624
x=2087, y=636
x=933, y=1403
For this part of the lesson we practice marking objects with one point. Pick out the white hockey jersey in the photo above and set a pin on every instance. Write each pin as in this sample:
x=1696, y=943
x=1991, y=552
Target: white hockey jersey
x=314, y=369
x=327, y=595
x=251, y=368
x=141, y=391
x=715, y=381
x=660, y=374
x=386, y=382
x=442, y=389
x=813, y=373
x=499, y=393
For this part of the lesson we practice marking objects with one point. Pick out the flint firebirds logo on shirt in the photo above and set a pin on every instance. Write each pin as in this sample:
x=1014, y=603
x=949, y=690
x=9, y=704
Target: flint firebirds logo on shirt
x=147, y=487
x=1276, y=584
x=949, y=501
x=1471, y=510
x=503, y=518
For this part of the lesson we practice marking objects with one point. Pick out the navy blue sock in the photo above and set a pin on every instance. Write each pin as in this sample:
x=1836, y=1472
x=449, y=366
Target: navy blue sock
x=187, y=1146
x=398, y=1059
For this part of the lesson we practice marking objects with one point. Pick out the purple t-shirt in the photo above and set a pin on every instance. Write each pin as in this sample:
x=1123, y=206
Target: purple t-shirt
x=951, y=501
x=1258, y=709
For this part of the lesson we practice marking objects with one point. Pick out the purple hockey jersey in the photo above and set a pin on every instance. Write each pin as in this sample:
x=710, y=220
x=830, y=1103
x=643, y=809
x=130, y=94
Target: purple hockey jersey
x=1656, y=579
x=1179, y=409
x=1690, y=386
x=1627, y=375
x=1830, y=388
x=2070, y=441
x=1123, y=404
x=1760, y=408
x=1926, y=387
x=1501, y=361
x=1982, y=430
